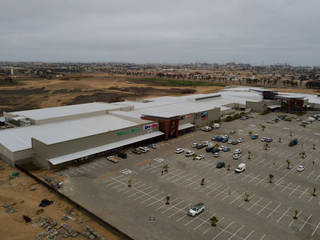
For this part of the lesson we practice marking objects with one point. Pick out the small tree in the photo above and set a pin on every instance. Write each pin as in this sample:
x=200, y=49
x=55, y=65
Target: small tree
x=270, y=177
x=313, y=162
x=313, y=146
x=129, y=182
x=314, y=192
x=202, y=182
x=279, y=139
x=246, y=197
x=290, y=134
x=250, y=133
x=214, y=220
x=228, y=167
x=295, y=216
x=288, y=164
x=167, y=200
x=263, y=127
x=266, y=146
x=165, y=168
x=249, y=155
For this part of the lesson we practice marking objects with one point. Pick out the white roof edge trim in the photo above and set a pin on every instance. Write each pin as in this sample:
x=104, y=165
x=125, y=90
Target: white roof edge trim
x=84, y=153
x=185, y=126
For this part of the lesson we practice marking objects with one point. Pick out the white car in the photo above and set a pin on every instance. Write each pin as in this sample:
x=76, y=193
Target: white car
x=236, y=156
x=240, y=140
x=200, y=157
x=206, y=129
x=216, y=154
x=205, y=143
x=189, y=153
x=237, y=151
x=241, y=167
x=143, y=149
x=196, y=209
x=179, y=150
x=230, y=141
x=300, y=168
x=194, y=145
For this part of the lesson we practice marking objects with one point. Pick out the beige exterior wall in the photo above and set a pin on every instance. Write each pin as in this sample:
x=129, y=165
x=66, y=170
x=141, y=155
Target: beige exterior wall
x=213, y=115
x=256, y=106
x=187, y=119
x=43, y=152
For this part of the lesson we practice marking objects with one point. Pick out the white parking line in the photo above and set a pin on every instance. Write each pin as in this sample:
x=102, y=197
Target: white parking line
x=176, y=204
x=255, y=203
x=259, y=181
x=240, y=195
x=164, y=205
x=236, y=232
x=303, y=192
x=265, y=206
x=208, y=193
x=145, y=200
x=274, y=210
x=285, y=187
x=249, y=235
x=192, y=220
x=307, y=220
x=315, y=229
x=263, y=236
x=222, y=231
x=294, y=190
x=284, y=213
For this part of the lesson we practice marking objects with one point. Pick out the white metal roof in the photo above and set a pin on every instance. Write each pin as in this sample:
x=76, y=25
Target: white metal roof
x=57, y=112
x=16, y=139
x=77, y=155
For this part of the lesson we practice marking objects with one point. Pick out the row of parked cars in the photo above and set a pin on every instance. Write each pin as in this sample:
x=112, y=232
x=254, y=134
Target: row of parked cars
x=144, y=149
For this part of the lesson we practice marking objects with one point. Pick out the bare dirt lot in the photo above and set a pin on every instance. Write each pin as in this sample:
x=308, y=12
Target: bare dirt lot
x=22, y=195
x=32, y=93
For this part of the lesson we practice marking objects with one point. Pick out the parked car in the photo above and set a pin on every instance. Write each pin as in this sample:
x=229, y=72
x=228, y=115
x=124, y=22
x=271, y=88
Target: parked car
x=205, y=143
x=232, y=131
x=209, y=149
x=215, y=150
x=122, y=155
x=136, y=151
x=189, y=153
x=179, y=150
x=143, y=149
x=300, y=168
x=268, y=140
x=216, y=154
x=236, y=156
x=241, y=167
x=196, y=209
x=293, y=142
x=153, y=146
x=112, y=159
x=234, y=142
x=230, y=141
x=200, y=145
x=206, y=129
x=240, y=140
x=194, y=145
x=200, y=157
x=219, y=139
x=254, y=136
x=244, y=117
x=221, y=165
x=226, y=149
x=237, y=151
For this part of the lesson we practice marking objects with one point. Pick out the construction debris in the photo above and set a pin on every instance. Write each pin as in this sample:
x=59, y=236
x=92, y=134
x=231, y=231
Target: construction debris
x=26, y=219
x=45, y=202
x=52, y=182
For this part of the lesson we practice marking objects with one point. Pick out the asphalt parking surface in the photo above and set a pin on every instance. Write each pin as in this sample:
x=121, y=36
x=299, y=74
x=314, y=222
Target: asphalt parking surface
x=141, y=212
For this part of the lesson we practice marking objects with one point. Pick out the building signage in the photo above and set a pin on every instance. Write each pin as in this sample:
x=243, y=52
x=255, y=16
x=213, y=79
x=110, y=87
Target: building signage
x=133, y=130
x=204, y=115
x=189, y=116
x=150, y=126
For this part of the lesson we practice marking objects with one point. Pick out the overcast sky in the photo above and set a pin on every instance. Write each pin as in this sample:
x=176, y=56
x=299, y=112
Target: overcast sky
x=163, y=31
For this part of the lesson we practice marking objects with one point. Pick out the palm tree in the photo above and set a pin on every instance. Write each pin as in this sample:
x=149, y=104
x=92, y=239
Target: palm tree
x=263, y=127
x=314, y=193
x=295, y=216
x=165, y=168
x=270, y=177
x=313, y=146
x=250, y=133
x=249, y=155
x=288, y=164
x=279, y=139
x=167, y=200
x=246, y=197
x=214, y=220
x=202, y=182
x=129, y=182
x=302, y=155
x=228, y=167
x=266, y=145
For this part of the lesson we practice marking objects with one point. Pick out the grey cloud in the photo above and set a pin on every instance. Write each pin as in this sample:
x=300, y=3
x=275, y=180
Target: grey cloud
x=250, y=31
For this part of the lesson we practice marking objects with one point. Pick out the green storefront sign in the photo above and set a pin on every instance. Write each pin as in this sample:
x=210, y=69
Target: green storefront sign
x=133, y=130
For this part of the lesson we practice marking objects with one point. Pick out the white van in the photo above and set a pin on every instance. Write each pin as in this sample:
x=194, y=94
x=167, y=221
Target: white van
x=241, y=167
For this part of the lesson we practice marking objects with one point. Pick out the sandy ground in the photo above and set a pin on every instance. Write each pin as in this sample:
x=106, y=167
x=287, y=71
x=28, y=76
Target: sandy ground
x=17, y=192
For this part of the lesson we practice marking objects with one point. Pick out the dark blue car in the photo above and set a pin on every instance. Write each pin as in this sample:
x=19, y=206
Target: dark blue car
x=254, y=136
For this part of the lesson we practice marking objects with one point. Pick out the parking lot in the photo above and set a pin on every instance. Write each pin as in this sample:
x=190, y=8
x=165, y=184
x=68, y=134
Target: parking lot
x=141, y=212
